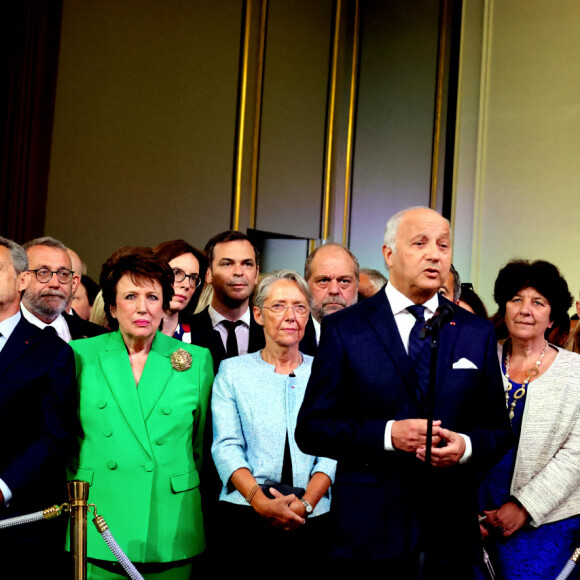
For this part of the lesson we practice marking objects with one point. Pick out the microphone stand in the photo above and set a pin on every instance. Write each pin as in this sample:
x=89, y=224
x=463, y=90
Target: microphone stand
x=431, y=393
x=431, y=329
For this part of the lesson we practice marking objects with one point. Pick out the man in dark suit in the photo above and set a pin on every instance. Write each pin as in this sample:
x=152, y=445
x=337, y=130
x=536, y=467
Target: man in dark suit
x=38, y=426
x=332, y=273
x=366, y=406
x=227, y=327
x=51, y=289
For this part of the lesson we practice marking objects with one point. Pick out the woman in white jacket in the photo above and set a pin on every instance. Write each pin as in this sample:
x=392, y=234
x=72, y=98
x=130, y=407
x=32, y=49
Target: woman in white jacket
x=531, y=499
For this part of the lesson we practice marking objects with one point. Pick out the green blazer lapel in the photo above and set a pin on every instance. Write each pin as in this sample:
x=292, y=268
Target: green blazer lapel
x=156, y=374
x=117, y=371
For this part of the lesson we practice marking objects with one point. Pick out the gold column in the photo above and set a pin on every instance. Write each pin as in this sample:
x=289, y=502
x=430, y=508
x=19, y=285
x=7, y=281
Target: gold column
x=439, y=85
x=328, y=162
x=350, y=134
x=258, y=113
x=247, y=144
x=78, y=492
x=235, y=221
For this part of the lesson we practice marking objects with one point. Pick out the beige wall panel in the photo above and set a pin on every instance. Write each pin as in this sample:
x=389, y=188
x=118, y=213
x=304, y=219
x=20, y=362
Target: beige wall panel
x=293, y=117
x=530, y=170
x=463, y=208
x=144, y=124
x=392, y=161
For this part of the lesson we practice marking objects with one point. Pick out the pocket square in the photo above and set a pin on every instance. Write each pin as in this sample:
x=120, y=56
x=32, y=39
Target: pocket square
x=463, y=363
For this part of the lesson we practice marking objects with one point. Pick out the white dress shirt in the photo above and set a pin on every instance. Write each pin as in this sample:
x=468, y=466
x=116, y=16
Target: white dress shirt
x=7, y=328
x=405, y=322
x=316, y=329
x=242, y=330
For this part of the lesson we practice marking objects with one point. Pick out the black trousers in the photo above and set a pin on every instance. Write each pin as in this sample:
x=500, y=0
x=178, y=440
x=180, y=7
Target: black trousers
x=246, y=539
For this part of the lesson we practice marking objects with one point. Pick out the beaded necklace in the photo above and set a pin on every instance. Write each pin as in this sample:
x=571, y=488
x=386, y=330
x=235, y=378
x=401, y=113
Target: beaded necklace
x=531, y=374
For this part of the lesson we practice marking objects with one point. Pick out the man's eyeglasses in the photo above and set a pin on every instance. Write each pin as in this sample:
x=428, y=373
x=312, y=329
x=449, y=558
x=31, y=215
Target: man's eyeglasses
x=44, y=275
x=179, y=276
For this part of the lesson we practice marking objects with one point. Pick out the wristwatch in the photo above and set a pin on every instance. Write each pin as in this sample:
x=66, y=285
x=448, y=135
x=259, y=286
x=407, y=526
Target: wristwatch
x=307, y=506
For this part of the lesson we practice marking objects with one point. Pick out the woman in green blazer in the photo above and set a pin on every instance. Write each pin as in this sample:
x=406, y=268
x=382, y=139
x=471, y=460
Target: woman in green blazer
x=143, y=401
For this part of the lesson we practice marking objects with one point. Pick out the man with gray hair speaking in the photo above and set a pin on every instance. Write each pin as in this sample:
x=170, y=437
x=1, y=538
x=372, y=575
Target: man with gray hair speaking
x=366, y=406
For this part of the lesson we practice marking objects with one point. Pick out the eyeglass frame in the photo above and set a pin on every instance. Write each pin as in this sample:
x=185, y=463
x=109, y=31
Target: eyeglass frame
x=52, y=273
x=195, y=278
x=286, y=306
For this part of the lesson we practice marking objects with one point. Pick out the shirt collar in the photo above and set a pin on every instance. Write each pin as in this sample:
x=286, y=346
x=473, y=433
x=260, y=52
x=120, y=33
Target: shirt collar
x=399, y=301
x=216, y=317
x=59, y=323
x=316, y=329
x=7, y=326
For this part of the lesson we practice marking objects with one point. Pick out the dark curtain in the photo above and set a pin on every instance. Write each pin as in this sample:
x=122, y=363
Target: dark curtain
x=29, y=43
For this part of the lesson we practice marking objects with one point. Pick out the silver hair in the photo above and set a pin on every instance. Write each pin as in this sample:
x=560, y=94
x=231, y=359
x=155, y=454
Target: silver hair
x=308, y=263
x=45, y=241
x=456, y=284
x=375, y=277
x=17, y=255
x=268, y=280
x=392, y=228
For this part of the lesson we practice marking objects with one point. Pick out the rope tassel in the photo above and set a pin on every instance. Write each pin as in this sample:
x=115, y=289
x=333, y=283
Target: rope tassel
x=46, y=514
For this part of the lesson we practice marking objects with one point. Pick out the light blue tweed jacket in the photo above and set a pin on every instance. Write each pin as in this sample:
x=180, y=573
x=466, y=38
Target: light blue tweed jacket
x=252, y=408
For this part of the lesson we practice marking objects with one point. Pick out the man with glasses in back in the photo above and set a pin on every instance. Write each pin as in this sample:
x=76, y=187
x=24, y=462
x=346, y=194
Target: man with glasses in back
x=52, y=284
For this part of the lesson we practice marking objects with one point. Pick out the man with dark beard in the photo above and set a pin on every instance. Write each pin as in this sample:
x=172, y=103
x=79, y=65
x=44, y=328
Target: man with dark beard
x=52, y=284
x=332, y=272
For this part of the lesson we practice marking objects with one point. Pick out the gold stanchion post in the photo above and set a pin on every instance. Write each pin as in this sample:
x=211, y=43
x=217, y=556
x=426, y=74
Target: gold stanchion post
x=78, y=492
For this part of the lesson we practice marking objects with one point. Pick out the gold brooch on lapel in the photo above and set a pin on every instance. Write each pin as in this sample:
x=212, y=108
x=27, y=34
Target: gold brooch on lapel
x=181, y=360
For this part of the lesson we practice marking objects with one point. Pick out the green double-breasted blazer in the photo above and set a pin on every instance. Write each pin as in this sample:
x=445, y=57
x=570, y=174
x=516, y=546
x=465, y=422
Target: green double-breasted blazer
x=141, y=450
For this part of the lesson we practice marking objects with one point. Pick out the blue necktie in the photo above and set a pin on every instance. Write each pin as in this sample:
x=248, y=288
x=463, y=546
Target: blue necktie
x=420, y=350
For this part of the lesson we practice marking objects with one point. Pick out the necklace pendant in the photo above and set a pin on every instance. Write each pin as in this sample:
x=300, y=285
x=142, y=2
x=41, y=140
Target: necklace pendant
x=511, y=415
x=533, y=373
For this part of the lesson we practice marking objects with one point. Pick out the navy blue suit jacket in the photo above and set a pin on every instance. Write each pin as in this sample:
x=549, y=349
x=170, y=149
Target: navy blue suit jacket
x=39, y=423
x=203, y=334
x=362, y=377
x=308, y=344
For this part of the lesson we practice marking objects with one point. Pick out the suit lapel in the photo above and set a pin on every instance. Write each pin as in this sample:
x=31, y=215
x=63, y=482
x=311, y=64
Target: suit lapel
x=117, y=371
x=308, y=343
x=156, y=374
x=203, y=334
x=383, y=322
x=257, y=340
x=447, y=339
x=21, y=340
x=73, y=326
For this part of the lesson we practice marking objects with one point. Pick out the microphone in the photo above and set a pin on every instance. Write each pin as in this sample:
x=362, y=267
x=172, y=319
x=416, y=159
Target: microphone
x=442, y=316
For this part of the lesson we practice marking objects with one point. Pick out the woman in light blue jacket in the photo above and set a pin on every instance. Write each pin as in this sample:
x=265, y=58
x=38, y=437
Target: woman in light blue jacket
x=255, y=403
